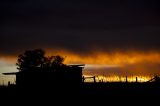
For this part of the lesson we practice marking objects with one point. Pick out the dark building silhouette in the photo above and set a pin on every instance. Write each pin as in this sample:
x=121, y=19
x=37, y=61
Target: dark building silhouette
x=49, y=76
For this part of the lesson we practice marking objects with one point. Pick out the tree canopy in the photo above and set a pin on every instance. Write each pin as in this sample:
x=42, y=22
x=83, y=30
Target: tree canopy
x=37, y=58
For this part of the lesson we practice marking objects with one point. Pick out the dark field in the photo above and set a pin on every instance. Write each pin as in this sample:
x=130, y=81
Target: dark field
x=85, y=93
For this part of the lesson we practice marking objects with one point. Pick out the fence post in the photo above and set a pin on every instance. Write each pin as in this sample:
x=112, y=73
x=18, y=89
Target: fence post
x=126, y=79
x=136, y=79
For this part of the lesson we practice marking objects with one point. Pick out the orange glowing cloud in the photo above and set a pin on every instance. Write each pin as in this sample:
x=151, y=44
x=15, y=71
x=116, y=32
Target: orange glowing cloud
x=115, y=58
x=116, y=62
x=123, y=63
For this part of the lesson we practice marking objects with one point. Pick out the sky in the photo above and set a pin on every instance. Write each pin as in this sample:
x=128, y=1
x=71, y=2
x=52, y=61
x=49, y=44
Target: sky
x=111, y=37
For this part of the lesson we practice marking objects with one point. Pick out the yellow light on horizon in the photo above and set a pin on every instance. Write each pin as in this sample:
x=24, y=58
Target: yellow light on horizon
x=114, y=78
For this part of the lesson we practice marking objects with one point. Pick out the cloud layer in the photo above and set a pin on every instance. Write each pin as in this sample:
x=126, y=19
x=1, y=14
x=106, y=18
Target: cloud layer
x=79, y=26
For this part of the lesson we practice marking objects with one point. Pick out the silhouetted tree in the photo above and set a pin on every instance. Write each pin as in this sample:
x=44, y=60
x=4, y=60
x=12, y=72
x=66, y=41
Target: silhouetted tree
x=30, y=58
x=36, y=58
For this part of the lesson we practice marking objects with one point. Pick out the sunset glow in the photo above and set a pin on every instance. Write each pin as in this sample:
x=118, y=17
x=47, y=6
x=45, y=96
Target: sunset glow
x=111, y=65
x=114, y=58
x=113, y=78
x=87, y=49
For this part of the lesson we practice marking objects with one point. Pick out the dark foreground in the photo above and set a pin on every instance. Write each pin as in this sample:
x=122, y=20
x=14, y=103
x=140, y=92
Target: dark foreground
x=109, y=93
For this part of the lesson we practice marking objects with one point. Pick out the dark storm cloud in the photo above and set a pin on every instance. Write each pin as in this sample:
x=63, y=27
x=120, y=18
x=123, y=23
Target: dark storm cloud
x=79, y=26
